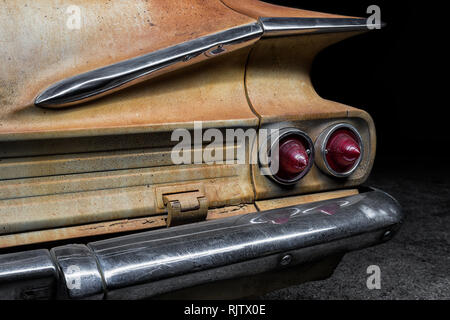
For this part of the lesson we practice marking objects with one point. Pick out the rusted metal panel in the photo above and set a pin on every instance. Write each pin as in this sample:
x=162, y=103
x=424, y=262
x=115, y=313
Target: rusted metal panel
x=41, y=166
x=185, y=208
x=65, y=209
x=256, y=9
x=60, y=184
x=97, y=169
x=42, y=50
x=157, y=221
x=283, y=65
x=87, y=230
x=110, y=227
x=291, y=201
x=212, y=92
x=230, y=211
x=94, y=189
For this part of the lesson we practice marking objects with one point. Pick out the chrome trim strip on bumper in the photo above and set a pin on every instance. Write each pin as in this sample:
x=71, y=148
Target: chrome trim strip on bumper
x=97, y=83
x=27, y=275
x=155, y=262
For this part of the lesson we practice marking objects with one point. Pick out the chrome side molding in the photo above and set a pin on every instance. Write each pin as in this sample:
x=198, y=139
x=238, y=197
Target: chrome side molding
x=106, y=80
x=99, y=82
x=151, y=263
x=275, y=27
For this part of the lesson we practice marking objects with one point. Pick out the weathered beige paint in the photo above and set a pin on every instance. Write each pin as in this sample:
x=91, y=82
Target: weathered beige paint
x=96, y=169
x=70, y=200
x=256, y=9
x=110, y=227
x=38, y=49
x=280, y=92
x=296, y=200
x=158, y=221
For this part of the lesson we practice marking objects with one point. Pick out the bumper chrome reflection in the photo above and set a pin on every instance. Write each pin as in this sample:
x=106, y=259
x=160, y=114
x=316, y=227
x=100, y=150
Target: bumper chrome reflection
x=155, y=262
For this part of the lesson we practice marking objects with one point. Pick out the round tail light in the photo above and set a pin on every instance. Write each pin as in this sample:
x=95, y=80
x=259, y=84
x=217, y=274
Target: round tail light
x=291, y=155
x=341, y=150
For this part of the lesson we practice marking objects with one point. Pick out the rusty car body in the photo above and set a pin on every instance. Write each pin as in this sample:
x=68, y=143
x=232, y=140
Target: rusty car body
x=86, y=122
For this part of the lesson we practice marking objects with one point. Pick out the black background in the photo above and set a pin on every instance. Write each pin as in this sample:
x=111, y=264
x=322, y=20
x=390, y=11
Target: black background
x=399, y=75
x=391, y=73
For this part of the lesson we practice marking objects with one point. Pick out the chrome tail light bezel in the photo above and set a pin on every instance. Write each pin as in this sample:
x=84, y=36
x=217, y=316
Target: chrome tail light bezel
x=321, y=145
x=268, y=150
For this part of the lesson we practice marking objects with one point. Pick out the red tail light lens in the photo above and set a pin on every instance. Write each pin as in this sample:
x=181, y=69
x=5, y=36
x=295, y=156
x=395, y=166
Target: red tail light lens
x=343, y=150
x=293, y=157
x=286, y=156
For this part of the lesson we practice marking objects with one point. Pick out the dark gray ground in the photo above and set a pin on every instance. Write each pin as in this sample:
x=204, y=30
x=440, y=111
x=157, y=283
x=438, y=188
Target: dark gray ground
x=415, y=264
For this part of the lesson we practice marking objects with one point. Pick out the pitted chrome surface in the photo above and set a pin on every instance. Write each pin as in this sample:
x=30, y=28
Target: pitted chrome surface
x=150, y=263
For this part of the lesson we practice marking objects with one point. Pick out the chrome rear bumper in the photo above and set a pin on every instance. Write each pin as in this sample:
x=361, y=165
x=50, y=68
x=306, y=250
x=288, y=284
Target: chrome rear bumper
x=156, y=262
